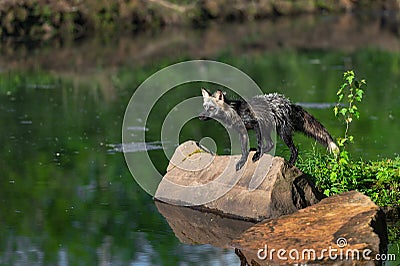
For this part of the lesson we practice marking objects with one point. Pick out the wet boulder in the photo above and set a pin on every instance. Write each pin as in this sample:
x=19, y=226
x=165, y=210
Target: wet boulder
x=265, y=189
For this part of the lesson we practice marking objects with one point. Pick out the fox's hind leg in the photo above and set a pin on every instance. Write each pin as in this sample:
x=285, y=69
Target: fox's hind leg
x=263, y=133
x=287, y=138
x=269, y=144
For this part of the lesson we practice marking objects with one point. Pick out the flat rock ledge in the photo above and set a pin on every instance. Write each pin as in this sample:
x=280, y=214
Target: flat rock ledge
x=345, y=229
x=265, y=189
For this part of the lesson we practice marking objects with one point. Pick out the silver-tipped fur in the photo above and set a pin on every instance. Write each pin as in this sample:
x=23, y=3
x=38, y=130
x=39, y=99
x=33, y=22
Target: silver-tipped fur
x=264, y=113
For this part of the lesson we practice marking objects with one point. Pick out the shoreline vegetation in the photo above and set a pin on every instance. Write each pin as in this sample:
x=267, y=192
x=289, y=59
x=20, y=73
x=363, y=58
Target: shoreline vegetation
x=339, y=173
x=377, y=179
x=46, y=19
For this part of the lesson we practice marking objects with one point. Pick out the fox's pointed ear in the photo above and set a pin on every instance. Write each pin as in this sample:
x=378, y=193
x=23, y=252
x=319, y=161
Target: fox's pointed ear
x=205, y=93
x=219, y=95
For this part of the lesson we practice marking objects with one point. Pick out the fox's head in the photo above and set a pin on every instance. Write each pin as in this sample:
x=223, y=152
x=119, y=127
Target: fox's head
x=214, y=105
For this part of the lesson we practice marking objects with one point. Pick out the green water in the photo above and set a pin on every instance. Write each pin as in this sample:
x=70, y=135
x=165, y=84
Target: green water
x=66, y=195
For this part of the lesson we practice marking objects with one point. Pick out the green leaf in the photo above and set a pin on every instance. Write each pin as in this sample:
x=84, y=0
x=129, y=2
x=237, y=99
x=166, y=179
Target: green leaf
x=335, y=190
x=359, y=94
x=335, y=110
x=343, y=111
x=333, y=177
x=349, y=76
x=341, y=141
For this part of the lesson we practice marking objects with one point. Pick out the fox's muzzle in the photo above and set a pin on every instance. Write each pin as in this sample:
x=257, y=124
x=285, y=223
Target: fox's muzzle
x=204, y=116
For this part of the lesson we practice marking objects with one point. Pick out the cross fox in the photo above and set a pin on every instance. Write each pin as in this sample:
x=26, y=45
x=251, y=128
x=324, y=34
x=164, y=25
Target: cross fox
x=264, y=113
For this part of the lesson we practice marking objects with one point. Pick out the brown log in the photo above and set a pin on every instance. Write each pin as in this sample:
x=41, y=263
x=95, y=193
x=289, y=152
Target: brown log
x=350, y=223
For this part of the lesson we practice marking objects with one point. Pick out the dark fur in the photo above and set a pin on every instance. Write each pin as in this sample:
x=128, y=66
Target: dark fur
x=265, y=113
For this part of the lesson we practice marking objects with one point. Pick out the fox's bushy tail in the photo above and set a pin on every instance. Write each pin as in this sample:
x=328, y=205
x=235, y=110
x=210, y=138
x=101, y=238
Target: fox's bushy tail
x=311, y=127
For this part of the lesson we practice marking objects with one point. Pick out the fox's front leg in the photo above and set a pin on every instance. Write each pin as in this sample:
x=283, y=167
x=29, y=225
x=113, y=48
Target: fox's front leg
x=244, y=141
x=259, y=151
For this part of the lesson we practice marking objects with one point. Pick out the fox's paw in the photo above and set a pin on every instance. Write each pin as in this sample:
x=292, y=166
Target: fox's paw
x=256, y=156
x=240, y=164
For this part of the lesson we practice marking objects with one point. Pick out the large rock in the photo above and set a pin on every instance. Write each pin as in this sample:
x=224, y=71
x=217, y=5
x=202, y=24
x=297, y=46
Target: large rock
x=349, y=224
x=265, y=189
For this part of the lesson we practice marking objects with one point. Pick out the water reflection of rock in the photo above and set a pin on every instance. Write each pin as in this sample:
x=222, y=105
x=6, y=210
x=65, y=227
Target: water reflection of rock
x=196, y=227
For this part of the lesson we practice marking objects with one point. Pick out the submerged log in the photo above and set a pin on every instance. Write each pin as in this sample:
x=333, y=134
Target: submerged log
x=345, y=229
x=265, y=189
